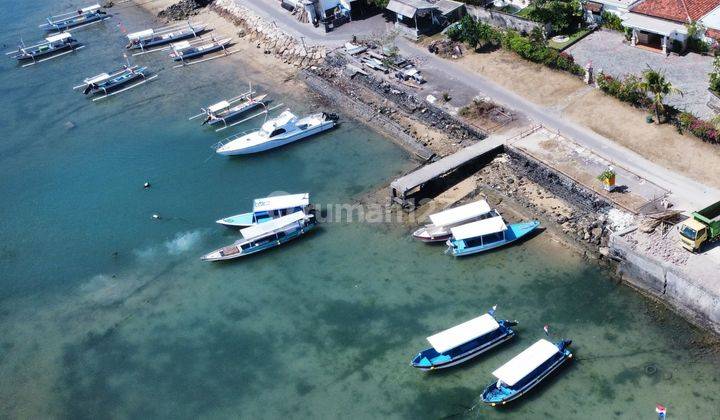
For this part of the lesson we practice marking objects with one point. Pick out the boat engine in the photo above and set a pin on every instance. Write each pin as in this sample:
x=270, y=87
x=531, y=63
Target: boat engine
x=330, y=116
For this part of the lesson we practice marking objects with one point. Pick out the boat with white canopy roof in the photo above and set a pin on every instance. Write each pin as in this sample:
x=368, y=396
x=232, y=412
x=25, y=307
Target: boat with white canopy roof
x=52, y=47
x=439, y=229
x=269, y=208
x=79, y=18
x=115, y=81
x=228, y=110
x=464, y=342
x=191, y=51
x=486, y=234
x=526, y=370
x=263, y=236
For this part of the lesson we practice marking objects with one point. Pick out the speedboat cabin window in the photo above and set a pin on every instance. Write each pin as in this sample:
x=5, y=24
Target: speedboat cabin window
x=277, y=132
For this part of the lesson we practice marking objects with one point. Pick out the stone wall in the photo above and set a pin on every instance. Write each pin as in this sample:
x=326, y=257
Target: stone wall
x=268, y=36
x=506, y=21
x=667, y=283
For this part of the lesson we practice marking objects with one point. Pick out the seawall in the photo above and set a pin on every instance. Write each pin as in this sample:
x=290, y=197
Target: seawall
x=665, y=282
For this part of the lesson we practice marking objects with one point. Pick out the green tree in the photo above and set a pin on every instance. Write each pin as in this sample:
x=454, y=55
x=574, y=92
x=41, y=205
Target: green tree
x=379, y=3
x=715, y=75
x=565, y=16
x=655, y=84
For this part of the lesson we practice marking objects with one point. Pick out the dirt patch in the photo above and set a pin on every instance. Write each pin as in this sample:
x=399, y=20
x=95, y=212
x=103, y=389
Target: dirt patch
x=660, y=143
x=533, y=81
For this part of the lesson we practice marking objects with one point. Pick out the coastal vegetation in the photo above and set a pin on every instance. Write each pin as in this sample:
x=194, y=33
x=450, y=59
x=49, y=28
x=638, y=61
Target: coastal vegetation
x=481, y=36
x=655, y=84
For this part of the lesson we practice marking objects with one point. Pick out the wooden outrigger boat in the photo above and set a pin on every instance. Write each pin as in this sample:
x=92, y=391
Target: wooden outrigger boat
x=116, y=81
x=524, y=371
x=464, y=342
x=487, y=234
x=77, y=19
x=190, y=52
x=229, y=109
x=147, y=39
x=269, y=208
x=263, y=236
x=54, y=46
x=439, y=229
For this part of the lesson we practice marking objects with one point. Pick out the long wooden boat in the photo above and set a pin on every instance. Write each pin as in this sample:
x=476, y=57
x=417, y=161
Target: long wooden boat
x=263, y=236
x=115, y=81
x=439, y=229
x=52, y=47
x=269, y=208
x=76, y=19
x=487, y=234
x=525, y=371
x=227, y=110
x=147, y=39
x=464, y=342
x=189, y=52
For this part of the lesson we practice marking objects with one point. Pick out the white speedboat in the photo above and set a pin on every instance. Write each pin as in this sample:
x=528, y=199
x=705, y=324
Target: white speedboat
x=285, y=128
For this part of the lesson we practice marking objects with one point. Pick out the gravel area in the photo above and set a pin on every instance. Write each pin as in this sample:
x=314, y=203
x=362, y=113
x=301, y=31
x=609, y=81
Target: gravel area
x=607, y=50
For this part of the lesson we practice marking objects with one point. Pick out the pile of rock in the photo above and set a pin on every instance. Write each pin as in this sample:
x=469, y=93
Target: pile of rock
x=269, y=37
x=446, y=48
x=183, y=9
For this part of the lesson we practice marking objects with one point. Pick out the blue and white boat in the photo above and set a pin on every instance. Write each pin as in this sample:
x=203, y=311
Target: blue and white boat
x=463, y=342
x=79, y=18
x=263, y=236
x=146, y=39
x=268, y=208
x=52, y=47
x=115, y=81
x=439, y=229
x=187, y=52
x=524, y=371
x=487, y=234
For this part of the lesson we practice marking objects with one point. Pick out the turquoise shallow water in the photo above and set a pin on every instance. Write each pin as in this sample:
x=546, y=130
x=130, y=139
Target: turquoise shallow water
x=105, y=312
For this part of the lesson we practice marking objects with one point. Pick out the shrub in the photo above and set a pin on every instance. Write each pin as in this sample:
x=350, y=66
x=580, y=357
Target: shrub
x=627, y=90
x=715, y=76
x=612, y=21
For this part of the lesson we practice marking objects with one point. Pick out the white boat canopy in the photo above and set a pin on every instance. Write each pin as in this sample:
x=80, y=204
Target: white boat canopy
x=280, y=202
x=181, y=45
x=92, y=8
x=461, y=334
x=95, y=79
x=458, y=214
x=58, y=37
x=218, y=106
x=479, y=228
x=262, y=229
x=284, y=118
x=140, y=34
x=521, y=365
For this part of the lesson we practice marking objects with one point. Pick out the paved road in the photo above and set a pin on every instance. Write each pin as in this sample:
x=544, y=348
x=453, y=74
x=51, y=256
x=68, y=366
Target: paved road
x=687, y=194
x=463, y=84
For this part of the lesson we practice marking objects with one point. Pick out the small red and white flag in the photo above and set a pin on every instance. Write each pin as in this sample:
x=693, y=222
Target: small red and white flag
x=661, y=410
x=546, y=328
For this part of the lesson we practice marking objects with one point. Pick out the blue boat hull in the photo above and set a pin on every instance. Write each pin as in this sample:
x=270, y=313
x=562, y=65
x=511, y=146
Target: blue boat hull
x=74, y=22
x=494, y=396
x=514, y=232
x=430, y=359
x=196, y=54
x=35, y=54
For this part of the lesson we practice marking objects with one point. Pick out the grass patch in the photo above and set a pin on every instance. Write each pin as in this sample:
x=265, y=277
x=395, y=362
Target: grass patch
x=524, y=13
x=572, y=38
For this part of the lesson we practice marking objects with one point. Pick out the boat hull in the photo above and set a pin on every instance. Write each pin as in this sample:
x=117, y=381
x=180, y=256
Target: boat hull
x=467, y=355
x=31, y=56
x=165, y=41
x=491, y=399
x=515, y=232
x=238, y=221
x=423, y=235
x=74, y=22
x=230, y=150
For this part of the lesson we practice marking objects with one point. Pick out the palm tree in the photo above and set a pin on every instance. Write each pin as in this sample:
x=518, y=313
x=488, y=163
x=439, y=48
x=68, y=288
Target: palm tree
x=654, y=82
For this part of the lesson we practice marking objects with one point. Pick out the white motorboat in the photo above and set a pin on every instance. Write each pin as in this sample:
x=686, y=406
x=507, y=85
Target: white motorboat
x=285, y=128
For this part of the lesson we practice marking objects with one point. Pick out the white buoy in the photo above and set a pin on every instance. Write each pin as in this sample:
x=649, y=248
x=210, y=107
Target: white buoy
x=156, y=216
x=146, y=185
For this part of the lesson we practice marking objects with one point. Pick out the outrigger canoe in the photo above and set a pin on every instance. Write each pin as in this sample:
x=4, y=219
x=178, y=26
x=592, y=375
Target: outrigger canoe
x=464, y=342
x=525, y=371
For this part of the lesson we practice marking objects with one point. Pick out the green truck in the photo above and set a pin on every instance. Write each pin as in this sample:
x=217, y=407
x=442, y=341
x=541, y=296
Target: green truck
x=703, y=226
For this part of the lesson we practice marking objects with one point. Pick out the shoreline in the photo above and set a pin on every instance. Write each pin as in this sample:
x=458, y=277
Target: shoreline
x=576, y=226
